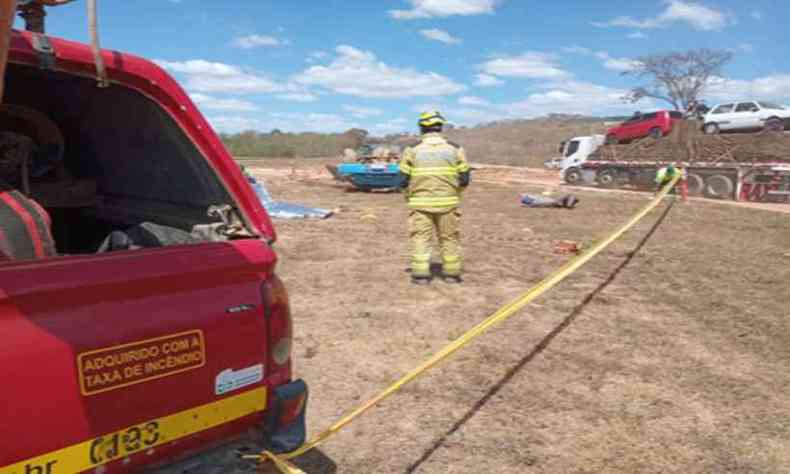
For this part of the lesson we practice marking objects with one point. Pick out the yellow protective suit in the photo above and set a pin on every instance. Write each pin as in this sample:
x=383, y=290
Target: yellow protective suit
x=433, y=195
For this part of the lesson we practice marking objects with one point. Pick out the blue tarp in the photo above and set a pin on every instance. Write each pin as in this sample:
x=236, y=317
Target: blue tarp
x=285, y=210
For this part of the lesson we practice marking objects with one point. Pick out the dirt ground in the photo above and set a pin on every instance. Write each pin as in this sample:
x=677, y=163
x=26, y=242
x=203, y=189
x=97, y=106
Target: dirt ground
x=667, y=353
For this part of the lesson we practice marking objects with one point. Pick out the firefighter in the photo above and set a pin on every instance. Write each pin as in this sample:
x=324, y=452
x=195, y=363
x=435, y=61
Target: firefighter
x=435, y=172
x=25, y=227
x=667, y=174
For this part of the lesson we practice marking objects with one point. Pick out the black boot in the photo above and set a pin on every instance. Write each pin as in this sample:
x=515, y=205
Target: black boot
x=453, y=279
x=421, y=281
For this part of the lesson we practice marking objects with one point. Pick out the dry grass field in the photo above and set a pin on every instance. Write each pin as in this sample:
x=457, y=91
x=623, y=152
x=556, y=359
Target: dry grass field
x=668, y=353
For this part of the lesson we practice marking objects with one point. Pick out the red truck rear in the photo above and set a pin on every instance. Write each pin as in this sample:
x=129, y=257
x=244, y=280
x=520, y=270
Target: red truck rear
x=161, y=327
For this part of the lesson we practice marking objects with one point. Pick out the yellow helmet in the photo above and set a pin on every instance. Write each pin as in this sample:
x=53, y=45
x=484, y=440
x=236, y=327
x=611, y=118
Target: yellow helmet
x=431, y=119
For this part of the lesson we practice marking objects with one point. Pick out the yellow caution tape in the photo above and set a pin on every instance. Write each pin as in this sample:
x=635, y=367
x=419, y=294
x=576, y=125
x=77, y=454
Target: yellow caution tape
x=281, y=461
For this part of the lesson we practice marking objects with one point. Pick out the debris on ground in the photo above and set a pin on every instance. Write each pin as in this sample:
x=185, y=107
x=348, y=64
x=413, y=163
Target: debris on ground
x=568, y=201
x=564, y=247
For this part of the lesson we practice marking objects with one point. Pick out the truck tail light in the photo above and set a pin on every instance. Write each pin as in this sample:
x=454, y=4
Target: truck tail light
x=278, y=315
x=291, y=409
x=287, y=421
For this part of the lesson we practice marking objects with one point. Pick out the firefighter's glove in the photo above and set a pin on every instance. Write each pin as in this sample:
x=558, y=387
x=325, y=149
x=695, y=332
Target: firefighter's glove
x=464, y=178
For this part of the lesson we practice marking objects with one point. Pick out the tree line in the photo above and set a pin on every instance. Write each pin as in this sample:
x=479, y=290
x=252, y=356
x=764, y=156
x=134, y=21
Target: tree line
x=280, y=144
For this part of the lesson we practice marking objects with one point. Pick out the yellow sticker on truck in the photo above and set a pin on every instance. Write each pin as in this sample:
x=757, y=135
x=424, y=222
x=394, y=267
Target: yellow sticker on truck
x=111, y=368
x=140, y=438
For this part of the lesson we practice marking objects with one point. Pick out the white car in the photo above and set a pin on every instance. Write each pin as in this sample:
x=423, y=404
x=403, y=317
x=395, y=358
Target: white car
x=746, y=116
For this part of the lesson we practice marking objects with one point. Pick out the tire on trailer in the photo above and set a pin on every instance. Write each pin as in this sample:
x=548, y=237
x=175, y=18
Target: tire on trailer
x=774, y=124
x=655, y=133
x=606, y=179
x=719, y=186
x=696, y=185
x=711, y=128
x=573, y=175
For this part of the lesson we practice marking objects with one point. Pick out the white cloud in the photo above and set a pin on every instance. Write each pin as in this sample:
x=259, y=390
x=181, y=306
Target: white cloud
x=458, y=115
x=572, y=97
x=207, y=102
x=206, y=76
x=359, y=73
x=315, y=122
x=617, y=64
x=391, y=126
x=555, y=96
x=744, y=48
x=440, y=35
x=757, y=14
x=362, y=112
x=773, y=87
x=487, y=80
x=428, y=106
x=316, y=56
x=231, y=124
x=614, y=64
x=697, y=15
x=288, y=122
x=637, y=35
x=467, y=115
x=241, y=84
x=621, y=64
x=198, y=66
x=577, y=50
x=257, y=41
x=298, y=97
x=532, y=65
x=444, y=8
x=328, y=123
x=472, y=100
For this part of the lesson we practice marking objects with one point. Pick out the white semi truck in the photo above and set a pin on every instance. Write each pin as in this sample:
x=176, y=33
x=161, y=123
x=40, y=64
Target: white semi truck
x=767, y=181
x=573, y=153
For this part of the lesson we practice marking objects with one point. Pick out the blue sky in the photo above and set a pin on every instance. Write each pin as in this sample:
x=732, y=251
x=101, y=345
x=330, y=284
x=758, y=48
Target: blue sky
x=330, y=65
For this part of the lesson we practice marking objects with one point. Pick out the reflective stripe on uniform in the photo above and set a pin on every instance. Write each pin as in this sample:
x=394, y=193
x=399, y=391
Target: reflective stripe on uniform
x=451, y=265
x=434, y=202
x=435, y=171
x=433, y=167
x=421, y=265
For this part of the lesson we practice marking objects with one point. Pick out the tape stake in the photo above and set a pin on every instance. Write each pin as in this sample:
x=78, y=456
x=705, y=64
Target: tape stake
x=501, y=315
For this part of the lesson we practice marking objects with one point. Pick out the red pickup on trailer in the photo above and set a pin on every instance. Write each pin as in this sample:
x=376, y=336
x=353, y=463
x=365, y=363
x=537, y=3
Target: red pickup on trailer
x=655, y=124
x=160, y=328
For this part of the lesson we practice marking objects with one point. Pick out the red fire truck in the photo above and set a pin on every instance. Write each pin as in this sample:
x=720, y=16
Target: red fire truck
x=161, y=327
